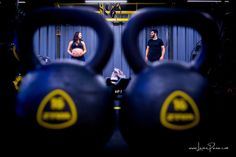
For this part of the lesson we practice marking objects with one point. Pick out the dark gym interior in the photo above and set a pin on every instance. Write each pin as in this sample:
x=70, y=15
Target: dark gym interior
x=112, y=100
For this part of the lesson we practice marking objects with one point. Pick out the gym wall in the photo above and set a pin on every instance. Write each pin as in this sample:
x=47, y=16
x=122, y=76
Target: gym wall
x=52, y=41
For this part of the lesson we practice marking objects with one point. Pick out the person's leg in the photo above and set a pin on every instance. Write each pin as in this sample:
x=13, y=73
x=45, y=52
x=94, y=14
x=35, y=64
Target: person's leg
x=152, y=62
x=82, y=58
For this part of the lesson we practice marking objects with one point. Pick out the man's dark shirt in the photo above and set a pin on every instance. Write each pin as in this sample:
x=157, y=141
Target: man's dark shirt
x=154, y=49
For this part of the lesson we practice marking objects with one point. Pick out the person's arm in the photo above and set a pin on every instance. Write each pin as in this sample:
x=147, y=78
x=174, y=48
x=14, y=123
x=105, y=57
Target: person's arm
x=84, y=47
x=146, y=55
x=69, y=50
x=163, y=51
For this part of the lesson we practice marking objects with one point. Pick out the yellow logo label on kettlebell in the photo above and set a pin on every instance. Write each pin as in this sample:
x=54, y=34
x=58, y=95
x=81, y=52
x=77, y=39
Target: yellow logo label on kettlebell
x=179, y=111
x=57, y=110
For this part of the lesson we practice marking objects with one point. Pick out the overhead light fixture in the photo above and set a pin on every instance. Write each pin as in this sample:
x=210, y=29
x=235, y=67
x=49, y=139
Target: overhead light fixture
x=21, y=2
x=105, y=1
x=209, y=1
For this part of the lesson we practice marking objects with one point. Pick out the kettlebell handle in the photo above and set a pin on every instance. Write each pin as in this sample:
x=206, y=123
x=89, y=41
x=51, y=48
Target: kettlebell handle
x=64, y=15
x=200, y=21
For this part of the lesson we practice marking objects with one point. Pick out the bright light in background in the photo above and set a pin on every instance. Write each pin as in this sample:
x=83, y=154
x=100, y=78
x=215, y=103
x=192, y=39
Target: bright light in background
x=21, y=2
x=213, y=1
x=105, y=1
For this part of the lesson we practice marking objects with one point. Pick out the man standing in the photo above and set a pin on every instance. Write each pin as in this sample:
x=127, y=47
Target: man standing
x=155, y=50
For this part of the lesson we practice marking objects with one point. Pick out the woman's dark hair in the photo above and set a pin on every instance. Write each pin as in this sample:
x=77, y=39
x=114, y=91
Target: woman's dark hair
x=76, y=36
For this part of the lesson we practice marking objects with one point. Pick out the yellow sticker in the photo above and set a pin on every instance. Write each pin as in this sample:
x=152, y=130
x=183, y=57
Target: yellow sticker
x=17, y=82
x=57, y=110
x=179, y=111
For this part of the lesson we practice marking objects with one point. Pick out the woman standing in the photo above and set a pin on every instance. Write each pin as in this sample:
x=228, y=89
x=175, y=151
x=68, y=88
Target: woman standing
x=77, y=47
